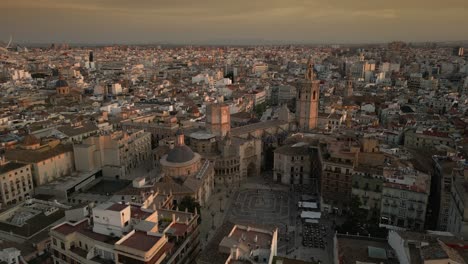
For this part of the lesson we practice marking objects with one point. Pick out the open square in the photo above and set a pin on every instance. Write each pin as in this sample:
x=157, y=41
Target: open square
x=265, y=207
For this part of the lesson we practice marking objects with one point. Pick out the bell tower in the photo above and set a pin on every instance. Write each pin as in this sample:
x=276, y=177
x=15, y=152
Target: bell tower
x=308, y=100
x=218, y=119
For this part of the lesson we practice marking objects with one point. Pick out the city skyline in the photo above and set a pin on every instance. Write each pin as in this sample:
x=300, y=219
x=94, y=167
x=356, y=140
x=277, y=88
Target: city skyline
x=242, y=22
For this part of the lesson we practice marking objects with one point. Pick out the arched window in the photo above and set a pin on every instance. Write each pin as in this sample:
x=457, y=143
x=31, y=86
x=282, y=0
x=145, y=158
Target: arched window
x=314, y=95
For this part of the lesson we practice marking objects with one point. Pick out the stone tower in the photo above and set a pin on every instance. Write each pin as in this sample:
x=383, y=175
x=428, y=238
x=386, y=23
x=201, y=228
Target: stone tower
x=308, y=100
x=349, y=88
x=218, y=119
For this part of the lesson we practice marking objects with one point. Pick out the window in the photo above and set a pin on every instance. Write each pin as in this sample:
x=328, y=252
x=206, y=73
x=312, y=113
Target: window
x=314, y=94
x=62, y=245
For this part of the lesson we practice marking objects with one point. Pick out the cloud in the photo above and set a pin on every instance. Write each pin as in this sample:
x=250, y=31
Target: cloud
x=289, y=20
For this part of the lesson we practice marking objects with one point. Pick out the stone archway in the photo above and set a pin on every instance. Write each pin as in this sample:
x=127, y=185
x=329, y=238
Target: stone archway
x=251, y=170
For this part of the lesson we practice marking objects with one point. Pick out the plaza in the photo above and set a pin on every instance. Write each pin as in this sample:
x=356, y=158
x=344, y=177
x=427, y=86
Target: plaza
x=260, y=201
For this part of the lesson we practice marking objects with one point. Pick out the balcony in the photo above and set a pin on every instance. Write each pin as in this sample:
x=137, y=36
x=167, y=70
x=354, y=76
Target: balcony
x=79, y=251
x=387, y=195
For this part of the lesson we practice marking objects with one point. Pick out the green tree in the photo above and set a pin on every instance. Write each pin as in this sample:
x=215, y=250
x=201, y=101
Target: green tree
x=358, y=221
x=260, y=109
x=189, y=203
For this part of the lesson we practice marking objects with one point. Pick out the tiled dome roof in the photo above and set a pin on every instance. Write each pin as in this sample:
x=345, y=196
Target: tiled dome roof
x=180, y=154
x=61, y=83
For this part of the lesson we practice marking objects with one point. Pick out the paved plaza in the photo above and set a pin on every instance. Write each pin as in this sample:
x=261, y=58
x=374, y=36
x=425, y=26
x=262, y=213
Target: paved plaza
x=262, y=203
x=259, y=201
x=263, y=207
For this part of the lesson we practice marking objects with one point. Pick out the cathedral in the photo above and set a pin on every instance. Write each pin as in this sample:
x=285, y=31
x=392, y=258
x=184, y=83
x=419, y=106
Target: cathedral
x=237, y=153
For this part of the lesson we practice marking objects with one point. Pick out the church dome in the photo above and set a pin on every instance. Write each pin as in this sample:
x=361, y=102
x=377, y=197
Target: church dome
x=30, y=140
x=61, y=83
x=180, y=154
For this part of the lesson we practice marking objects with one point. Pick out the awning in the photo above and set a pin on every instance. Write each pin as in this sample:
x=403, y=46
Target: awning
x=310, y=214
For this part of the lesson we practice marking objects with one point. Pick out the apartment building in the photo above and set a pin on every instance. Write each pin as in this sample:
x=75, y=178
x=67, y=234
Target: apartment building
x=405, y=195
x=16, y=182
x=127, y=233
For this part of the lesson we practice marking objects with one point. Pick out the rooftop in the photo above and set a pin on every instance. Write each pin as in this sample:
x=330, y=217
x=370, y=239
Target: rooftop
x=37, y=155
x=117, y=207
x=180, y=154
x=71, y=131
x=353, y=249
x=85, y=229
x=26, y=224
x=238, y=131
x=201, y=135
x=10, y=166
x=295, y=149
x=141, y=241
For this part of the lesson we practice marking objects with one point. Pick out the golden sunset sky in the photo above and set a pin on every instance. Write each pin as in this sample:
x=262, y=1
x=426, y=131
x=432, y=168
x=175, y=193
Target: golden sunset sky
x=205, y=21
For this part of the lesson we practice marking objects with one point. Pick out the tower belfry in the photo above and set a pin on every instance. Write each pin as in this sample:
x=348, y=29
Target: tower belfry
x=310, y=74
x=308, y=100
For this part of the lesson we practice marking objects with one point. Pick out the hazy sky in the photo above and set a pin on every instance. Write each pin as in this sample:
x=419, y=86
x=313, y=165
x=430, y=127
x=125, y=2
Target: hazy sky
x=205, y=21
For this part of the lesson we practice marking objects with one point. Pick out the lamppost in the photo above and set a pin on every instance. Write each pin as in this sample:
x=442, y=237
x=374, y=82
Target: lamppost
x=212, y=220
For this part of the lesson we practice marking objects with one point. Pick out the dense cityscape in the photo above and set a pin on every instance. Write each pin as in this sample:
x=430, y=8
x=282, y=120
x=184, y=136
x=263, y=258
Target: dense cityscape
x=278, y=154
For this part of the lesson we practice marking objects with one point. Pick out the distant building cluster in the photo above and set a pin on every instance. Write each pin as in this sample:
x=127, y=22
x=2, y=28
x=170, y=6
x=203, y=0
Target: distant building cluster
x=113, y=154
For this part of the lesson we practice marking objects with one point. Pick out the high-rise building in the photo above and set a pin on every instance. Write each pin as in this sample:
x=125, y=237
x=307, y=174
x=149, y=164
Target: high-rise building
x=91, y=56
x=218, y=119
x=308, y=100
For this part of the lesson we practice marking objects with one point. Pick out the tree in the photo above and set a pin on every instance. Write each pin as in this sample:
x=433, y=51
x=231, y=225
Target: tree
x=189, y=203
x=358, y=221
x=260, y=109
